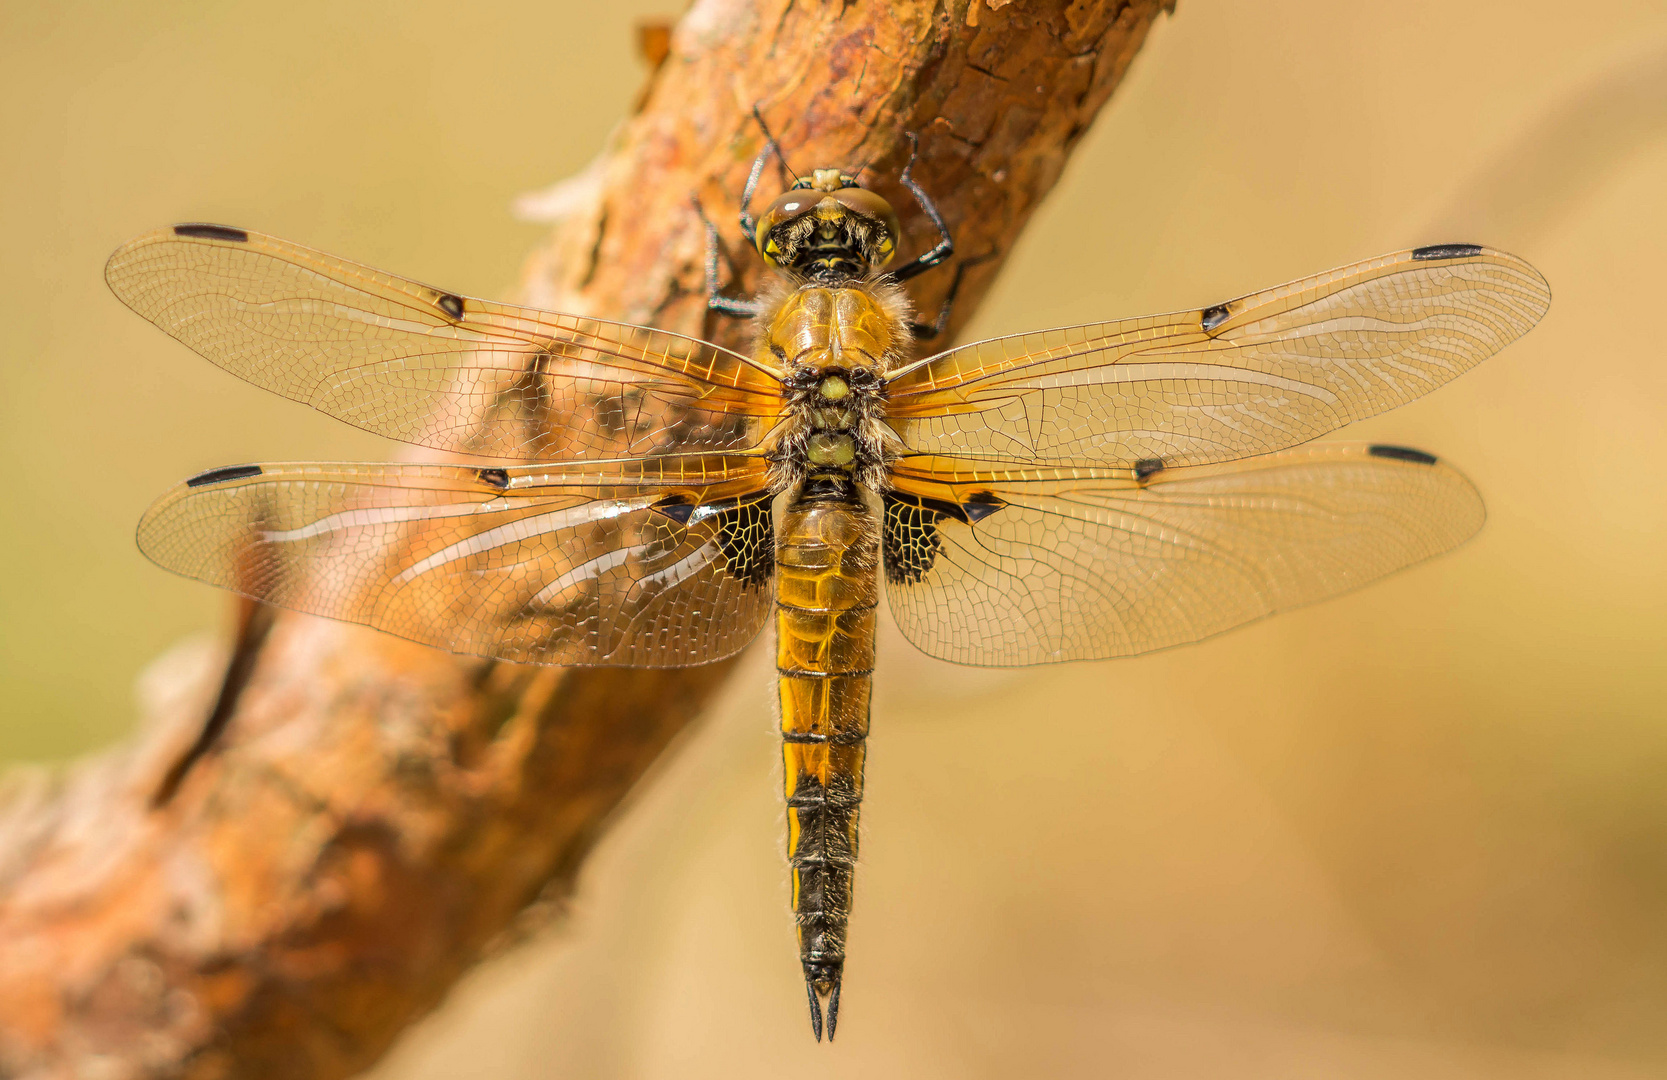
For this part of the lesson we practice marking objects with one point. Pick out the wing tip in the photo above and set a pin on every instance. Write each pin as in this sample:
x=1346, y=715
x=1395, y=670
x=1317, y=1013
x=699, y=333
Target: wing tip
x=1456, y=251
x=116, y=267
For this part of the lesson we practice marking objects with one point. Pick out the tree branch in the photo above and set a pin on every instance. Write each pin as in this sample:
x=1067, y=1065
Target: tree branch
x=376, y=814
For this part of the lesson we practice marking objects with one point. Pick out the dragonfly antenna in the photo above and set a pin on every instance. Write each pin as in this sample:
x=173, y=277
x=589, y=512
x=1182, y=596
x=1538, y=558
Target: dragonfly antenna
x=858, y=171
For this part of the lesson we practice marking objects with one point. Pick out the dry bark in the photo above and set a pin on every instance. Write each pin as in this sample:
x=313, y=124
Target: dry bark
x=377, y=814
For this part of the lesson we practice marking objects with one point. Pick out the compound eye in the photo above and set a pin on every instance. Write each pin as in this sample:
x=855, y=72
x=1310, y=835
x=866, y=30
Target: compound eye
x=862, y=201
x=785, y=207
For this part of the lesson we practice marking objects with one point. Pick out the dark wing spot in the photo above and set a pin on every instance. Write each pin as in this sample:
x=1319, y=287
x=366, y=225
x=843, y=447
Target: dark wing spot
x=451, y=305
x=1214, y=316
x=498, y=478
x=980, y=505
x=747, y=539
x=673, y=507
x=1447, y=251
x=1147, y=466
x=1402, y=453
x=909, y=538
x=204, y=231
x=221, y=475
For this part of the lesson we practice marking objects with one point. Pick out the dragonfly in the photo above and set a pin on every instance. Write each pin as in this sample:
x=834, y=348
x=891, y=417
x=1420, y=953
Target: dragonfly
x=1078, y=493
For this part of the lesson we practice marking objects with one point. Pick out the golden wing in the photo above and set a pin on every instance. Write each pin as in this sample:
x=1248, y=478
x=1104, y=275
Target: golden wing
x=651, y=563
x=1258, y=374
x=1006, y=566
x=431, y=367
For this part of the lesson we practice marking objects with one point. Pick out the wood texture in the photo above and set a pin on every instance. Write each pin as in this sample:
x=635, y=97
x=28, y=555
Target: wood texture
x=376, y=814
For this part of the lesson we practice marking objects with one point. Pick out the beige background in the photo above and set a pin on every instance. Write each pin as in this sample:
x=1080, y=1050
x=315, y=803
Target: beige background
x=1417, y=831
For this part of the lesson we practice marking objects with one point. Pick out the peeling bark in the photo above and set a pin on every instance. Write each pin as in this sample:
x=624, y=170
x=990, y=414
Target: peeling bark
x=377, y=814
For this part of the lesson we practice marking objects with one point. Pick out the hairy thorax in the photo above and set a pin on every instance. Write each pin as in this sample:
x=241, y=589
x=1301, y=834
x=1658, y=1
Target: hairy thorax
x=848, y=327
x=835, y=344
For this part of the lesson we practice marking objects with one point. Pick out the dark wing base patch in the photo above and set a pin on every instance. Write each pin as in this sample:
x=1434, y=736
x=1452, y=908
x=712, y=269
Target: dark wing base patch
x=746, y=537
x=909, y=539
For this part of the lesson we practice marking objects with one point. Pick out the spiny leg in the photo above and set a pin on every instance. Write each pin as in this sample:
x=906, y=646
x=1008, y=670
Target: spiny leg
x=945, y=246
x=715, y=299
x=749, y=224
x=927, y=331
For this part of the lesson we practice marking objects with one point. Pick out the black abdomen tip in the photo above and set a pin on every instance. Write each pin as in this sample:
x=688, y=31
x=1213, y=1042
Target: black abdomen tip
x=1401, y=453
x=221, y=475
x=822, y=979
x=1447, y=251
x=203, y=231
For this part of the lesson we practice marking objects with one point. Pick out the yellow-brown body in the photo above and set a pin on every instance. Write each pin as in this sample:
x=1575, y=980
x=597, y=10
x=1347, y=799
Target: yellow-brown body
x=837, y=343
x=834, y=329
x=827, y=589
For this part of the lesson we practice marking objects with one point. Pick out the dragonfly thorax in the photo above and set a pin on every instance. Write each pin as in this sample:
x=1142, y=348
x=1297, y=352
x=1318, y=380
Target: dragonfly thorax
x=835, y=346
x=834, y=424
x=836, y=449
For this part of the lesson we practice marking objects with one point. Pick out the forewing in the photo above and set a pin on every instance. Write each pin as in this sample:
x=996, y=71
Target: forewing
x=429, y=367
x=652, y=564
x=1258, y=374
x=1009, y=567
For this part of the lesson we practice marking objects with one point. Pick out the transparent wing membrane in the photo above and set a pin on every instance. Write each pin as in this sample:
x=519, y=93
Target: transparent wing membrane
x=1003, y=566
x=428, y=367
x=1080, y=493
x=1257, y=374
x=652, y=564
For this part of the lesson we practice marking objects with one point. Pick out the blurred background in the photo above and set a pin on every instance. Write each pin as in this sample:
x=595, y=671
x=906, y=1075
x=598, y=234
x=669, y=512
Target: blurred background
x=1417, y=831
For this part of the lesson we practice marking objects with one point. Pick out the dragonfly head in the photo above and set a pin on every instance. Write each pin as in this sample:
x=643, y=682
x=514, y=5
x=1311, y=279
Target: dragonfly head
x=827, y=227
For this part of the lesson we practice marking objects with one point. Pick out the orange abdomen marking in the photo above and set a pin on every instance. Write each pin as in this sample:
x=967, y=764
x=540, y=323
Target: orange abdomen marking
x=827, y=589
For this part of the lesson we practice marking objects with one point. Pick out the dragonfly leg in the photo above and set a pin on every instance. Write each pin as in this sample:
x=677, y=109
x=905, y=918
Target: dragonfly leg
x=715, y=298
x=945, y=246
x=927, y=331
x=749, y=224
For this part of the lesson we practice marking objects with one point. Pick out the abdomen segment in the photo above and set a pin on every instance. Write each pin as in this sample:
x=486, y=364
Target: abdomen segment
x=827, y=588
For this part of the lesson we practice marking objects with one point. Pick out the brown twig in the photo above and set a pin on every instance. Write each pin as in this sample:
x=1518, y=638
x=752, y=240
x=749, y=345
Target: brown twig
x=376, y=813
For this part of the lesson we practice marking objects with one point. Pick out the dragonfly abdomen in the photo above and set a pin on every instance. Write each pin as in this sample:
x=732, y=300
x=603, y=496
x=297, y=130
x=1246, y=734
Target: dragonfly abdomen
x=827, y=589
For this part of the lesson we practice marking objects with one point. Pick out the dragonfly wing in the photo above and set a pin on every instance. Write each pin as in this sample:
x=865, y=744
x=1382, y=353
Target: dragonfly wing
x=1257, y=374
x=655, y=563
x=1008, y=566
x=433, y=368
